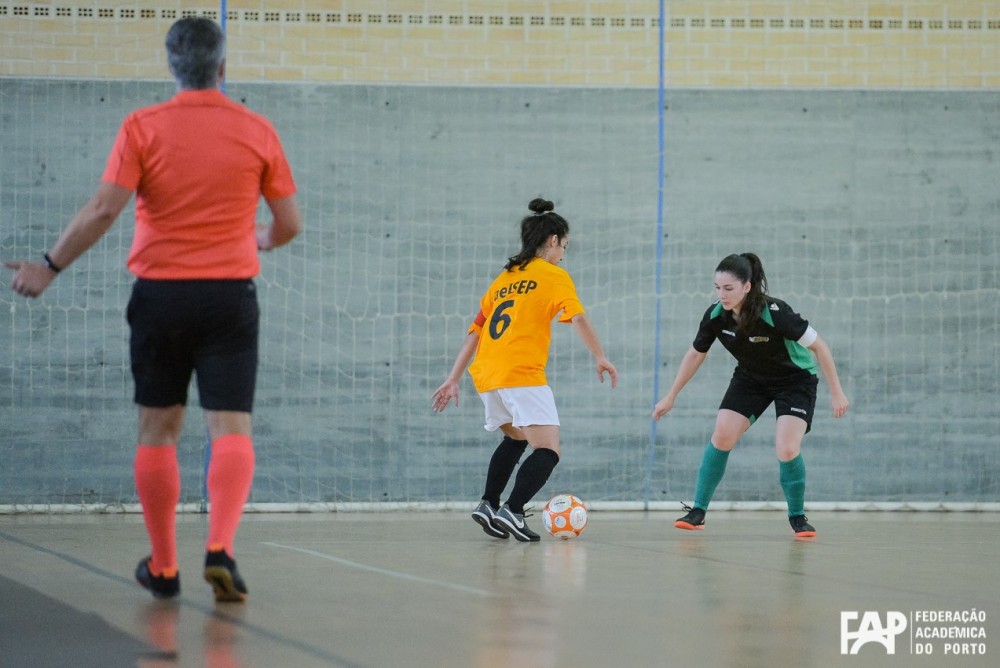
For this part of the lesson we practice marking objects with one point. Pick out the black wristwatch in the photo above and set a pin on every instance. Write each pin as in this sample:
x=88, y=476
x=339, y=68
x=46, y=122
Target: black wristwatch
x=51, y=265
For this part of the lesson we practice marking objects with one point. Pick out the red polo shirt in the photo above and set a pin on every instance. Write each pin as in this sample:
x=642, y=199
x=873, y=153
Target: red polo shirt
x=199, y=164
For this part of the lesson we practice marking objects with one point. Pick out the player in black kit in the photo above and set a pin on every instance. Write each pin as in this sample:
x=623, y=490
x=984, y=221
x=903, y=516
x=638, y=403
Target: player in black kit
x=774, y=349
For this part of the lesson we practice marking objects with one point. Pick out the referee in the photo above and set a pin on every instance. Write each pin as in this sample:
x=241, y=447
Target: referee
x=198, y=165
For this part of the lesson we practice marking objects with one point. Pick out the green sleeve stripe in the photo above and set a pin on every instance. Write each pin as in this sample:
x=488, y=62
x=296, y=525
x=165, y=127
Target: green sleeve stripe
x=801, y=356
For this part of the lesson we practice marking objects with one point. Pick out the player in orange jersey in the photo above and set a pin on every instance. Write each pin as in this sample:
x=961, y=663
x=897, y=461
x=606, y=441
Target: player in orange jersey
x=198, y=165
x=509, y=341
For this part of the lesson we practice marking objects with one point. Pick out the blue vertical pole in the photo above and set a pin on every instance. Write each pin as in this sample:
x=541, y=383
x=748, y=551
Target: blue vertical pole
x=222, y=22
x=208, y=435
x=661, y=176
x=204, y=477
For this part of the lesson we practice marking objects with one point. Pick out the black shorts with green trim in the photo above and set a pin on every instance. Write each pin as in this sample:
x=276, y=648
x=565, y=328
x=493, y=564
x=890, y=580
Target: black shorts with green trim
x=750, y=396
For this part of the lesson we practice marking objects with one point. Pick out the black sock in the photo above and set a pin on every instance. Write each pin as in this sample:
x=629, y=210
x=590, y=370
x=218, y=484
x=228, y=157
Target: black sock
x=531, y=477
x=502, y=464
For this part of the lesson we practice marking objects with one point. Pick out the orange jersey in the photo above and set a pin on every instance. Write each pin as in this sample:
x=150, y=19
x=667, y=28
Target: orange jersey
x=515, y=325
x=199, y=164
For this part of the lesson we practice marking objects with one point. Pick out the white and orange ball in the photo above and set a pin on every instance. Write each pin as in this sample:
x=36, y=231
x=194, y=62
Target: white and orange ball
x=565, y=516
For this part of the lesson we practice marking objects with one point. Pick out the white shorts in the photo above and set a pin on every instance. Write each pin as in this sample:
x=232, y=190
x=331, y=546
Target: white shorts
x=520, y=406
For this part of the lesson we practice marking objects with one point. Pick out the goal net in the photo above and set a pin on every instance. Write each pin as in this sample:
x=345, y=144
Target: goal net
x=875, y=216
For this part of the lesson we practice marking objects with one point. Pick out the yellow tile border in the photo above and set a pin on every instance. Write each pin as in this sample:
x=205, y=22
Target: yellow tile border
x=486, y=20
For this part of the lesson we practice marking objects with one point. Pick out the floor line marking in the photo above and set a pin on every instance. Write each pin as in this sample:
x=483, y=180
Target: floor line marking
x=185, y=602
x=383, y=571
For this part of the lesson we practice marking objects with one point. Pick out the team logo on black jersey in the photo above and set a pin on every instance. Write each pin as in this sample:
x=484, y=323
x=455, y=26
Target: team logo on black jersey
x=774, y=307
x=759, y=339
x=726, y=331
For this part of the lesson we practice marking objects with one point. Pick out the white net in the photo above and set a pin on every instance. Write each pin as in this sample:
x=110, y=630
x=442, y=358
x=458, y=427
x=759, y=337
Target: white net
x=875, y=215
x=411, y=198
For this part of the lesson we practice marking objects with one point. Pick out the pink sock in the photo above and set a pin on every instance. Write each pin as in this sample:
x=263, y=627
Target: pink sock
x=230, y=475
x=158, y=483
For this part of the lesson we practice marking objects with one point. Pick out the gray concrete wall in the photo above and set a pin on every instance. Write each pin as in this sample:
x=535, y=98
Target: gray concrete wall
x=875, y=214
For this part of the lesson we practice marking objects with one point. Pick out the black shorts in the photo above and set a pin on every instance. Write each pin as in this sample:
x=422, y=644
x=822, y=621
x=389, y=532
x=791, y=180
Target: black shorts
x=750, y=397
x=209, y=327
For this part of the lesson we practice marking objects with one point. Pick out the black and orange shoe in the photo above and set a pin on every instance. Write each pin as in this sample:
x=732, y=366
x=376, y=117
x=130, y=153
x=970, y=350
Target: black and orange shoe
x=158, y=585
x=801, y=526
x=222, y=574
x=693, y=521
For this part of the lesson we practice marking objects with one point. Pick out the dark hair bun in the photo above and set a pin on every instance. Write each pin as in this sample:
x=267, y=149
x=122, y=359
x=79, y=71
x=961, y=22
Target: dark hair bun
x=539, y=205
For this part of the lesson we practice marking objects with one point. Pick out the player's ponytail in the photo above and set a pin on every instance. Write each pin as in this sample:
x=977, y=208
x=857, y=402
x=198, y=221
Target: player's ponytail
x=747, y=267
x=536, y=230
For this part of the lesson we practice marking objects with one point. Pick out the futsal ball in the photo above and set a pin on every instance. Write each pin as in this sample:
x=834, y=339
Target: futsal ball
x=565, y=516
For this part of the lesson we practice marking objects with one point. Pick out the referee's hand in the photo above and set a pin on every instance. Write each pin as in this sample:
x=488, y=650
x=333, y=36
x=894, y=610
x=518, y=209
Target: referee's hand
x=30, y=278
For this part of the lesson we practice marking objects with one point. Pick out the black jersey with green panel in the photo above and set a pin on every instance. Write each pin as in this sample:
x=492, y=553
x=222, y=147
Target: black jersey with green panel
x=770, y=351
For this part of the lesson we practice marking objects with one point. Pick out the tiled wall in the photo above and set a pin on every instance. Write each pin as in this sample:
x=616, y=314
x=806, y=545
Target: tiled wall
x=718, y=44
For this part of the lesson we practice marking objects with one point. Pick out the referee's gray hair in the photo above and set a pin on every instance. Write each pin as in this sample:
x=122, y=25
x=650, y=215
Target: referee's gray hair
x=196, y=47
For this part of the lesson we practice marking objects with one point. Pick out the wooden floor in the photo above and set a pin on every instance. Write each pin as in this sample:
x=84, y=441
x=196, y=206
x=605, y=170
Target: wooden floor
x=414, y=589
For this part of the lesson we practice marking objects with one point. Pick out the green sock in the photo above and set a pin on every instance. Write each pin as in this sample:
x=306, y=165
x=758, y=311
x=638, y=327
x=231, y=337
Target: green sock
x=793, y=482
x=713, y=467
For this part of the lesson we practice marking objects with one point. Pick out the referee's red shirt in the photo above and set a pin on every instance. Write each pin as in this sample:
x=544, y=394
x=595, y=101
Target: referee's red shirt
x=199, y=164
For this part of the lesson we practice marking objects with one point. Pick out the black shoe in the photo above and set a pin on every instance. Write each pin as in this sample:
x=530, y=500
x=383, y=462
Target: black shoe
x=801, y=526
x=693, y=521
x=221, y=573
x=515, y=525
x=486, y=517
x=159, y=586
